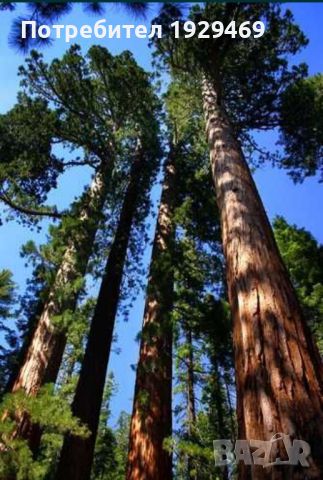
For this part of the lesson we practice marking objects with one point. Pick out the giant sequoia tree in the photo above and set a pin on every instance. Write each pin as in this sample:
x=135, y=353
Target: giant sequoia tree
x=151, y=424
x=104, y=106
x=151, y=421
x=93, y=109
x=278, y=369
x=77, y=453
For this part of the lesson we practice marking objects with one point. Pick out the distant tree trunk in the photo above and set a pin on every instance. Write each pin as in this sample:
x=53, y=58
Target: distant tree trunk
x=44, y=352
x=218, y=407
x=278, y=369
x=151, y=419
x=191, y=409
x=77, y=454
x=231, y=408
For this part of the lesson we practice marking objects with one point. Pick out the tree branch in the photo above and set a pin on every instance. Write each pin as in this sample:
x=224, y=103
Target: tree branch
x=28, y=210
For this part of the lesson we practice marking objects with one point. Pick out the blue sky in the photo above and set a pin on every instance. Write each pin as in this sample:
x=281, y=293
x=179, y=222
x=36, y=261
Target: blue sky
x=299, y=204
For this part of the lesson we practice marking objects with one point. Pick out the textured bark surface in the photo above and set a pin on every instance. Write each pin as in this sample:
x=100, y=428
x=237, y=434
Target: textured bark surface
x=151, y=420
x=278, y=369
x=77, y=453
x=43, y=356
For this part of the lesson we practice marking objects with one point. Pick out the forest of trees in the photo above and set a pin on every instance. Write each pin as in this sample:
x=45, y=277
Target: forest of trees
x=231, y=342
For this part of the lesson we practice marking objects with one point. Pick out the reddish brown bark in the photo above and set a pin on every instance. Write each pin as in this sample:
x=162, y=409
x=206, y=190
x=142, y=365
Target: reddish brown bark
x=77, y=453
x=151, y=421
x=43, y=356
x=278, y=369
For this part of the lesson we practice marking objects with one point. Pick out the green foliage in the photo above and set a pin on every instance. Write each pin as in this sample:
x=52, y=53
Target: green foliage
x=303, y=257
x=247, y=74
x=7, y=287
x=302, y=128
x=26, y=134
x=122, y=438
x=104, y=457
x=250, y=75
x=49, y=13
x=8, y=336
x=52, y=413
x=101, y=100
x=102, y=104
x=111, y=447
x=77, y=328
x=28, y=167
x=97, y=104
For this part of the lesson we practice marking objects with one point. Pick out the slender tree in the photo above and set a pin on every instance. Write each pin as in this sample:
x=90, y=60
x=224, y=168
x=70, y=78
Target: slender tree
x=278, y=369
x=200, y=324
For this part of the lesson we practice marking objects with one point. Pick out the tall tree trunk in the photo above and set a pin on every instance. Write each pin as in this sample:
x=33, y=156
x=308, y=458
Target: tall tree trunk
x=44, y=353
x=151, y=420
x=77, y=453
x=278, y=369
x=191, y=410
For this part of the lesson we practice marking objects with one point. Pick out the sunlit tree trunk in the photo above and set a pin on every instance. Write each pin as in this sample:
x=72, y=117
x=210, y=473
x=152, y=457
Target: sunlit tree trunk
x=30, y=329
x=151, y=421
x=44, y=353
x=278, y=369
x=77, y=453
